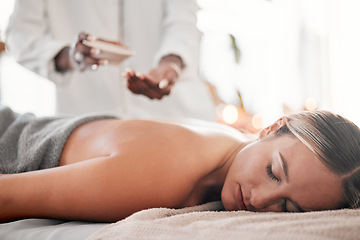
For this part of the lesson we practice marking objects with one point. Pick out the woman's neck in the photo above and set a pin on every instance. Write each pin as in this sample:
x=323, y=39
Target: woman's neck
x=211, y=184
x=219, y=174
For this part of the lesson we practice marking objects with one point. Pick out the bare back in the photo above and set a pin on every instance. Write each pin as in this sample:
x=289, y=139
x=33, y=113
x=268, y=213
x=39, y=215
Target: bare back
x=196, y=141
x=184, y=152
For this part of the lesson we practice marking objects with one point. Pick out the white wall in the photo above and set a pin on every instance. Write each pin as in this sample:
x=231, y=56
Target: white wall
x=292, y=50
x=20, y=88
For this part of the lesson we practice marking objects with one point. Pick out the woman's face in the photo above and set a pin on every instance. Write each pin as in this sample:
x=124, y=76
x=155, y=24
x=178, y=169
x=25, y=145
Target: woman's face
x=278, y=174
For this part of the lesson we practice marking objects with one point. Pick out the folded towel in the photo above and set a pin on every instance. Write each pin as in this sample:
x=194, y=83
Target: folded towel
x=28, y=143
x=205, y=222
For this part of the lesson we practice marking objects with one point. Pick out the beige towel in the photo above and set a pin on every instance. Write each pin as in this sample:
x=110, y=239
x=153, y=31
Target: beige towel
x=203, y=222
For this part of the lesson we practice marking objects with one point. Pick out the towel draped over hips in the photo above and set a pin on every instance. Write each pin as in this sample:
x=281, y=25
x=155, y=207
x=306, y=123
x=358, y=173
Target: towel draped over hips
x=29, y=143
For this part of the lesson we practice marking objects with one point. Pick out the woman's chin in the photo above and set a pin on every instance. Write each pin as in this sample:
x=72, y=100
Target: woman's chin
x=227, y=203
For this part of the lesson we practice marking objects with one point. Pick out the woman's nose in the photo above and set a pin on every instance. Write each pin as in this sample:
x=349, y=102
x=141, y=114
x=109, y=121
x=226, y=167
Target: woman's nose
x=265, y=200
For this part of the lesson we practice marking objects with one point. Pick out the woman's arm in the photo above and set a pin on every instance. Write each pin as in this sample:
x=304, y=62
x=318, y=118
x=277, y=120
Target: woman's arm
x=106, y=189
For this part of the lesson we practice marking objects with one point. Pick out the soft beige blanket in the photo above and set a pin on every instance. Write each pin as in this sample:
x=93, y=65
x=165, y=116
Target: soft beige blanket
x=204, y=222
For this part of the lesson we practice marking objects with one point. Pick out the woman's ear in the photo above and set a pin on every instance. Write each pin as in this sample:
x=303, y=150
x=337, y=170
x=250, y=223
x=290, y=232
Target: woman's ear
x=273, y=127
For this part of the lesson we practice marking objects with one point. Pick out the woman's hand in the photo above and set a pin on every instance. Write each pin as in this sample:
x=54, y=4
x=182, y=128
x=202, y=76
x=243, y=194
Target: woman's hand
x=78, y=55
x=159, y=81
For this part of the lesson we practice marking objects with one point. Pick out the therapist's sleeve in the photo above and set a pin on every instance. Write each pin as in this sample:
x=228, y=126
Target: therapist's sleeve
x=180, y=35
x=29, y=39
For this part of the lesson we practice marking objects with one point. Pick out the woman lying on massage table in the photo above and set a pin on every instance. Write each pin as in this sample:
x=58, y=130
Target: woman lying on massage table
x=111, y=168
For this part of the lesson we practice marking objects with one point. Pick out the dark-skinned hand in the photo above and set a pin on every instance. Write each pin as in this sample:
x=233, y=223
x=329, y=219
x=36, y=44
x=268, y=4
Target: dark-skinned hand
x=159, y=81
x=79, y=55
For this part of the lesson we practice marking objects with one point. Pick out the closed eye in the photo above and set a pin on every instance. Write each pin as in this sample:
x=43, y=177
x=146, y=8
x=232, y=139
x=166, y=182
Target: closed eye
x=283, y=206
x=270, y=173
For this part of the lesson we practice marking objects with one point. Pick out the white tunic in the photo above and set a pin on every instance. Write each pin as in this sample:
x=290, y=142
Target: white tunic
x=39, y=29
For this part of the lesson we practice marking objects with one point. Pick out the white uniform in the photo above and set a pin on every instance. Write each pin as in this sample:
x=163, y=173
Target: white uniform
x=39, y=29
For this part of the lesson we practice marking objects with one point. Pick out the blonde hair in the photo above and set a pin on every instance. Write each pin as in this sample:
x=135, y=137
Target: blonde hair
x=336, y=141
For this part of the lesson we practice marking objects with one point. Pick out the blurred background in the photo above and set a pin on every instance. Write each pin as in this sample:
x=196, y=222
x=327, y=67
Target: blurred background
x=262, y=59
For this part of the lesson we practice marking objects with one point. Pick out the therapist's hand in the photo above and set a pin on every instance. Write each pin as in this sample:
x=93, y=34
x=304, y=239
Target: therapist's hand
x=78, y=55
x=159, y=81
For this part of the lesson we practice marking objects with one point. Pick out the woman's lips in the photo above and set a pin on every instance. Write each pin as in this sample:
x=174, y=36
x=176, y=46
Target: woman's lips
x=241, y=204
